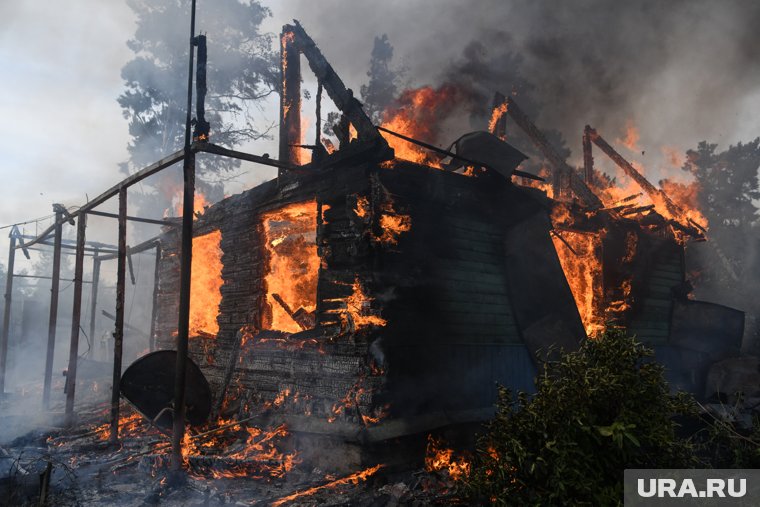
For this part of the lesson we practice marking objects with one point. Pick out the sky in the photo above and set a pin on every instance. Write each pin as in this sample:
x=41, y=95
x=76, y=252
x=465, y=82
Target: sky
x=682, y=71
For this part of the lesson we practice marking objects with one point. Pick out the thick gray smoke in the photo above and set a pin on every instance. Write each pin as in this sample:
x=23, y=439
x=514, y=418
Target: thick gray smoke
x=681, y=71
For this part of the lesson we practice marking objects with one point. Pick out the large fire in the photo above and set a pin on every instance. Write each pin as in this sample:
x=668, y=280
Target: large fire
x=418, y=113
x=205, y=284
x=291, y=282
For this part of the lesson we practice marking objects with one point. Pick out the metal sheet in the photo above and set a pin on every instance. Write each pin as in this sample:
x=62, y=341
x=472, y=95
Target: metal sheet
x=148, y=384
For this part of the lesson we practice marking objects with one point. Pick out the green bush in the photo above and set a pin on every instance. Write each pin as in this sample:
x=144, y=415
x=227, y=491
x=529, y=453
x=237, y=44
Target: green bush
x=595, y=413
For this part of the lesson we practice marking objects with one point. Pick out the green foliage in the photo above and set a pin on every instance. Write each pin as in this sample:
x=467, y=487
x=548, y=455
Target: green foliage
x=725, y=446
x=596, y=412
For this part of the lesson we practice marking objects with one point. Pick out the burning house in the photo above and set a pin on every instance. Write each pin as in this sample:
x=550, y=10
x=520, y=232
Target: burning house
x=374, y=292
x=371, y=297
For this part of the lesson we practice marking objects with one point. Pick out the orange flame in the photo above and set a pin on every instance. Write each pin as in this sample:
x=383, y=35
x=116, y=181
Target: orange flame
x=579, y=254
x=354, y=478
x=417, y=113
x=496, y=115
x=290, y=234
x=206, y=283
x=440, y=458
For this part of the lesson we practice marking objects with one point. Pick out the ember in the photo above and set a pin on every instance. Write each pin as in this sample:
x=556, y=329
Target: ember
x=440, y=458
x=351, y=479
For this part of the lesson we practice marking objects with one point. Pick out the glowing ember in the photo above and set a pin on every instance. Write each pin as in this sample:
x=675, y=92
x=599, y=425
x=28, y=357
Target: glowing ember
x=362, y=207
x=440, y=458
x=351, y=479
x=359, y=308
x=291, y=283
x=205, y=284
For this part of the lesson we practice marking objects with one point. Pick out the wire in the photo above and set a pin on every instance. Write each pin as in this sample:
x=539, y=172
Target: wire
x=31, y=221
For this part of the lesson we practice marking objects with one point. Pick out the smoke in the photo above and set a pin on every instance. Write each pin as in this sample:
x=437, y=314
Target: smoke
x=681, y=71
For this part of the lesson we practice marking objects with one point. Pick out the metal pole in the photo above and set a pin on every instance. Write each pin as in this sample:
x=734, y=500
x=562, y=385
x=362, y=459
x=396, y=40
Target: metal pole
x=178, y=430
x=76, y=314
x=53, y=320
x=154, y=311
x=7, y=311
x=118, y=334
x=94, y=300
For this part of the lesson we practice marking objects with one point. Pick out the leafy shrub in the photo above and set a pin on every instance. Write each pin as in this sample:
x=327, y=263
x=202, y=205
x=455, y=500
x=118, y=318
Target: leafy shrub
x=595, y=413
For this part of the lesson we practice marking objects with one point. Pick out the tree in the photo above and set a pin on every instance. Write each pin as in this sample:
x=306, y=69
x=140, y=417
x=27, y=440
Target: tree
x=382, y=87
x=728, y=195
x=241, y=71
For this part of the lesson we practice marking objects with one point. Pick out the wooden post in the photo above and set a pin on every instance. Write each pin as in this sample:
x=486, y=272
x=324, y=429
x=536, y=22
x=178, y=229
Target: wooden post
x=118, y=335
x=154, y=311
x=183, y=324
x=53, y=319
x=290, y=97
x=76, y=315
x=588, y=157
x=94, y=299
x=7, y=311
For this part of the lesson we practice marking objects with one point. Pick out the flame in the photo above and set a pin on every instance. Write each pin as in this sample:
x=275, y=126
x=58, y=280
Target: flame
x=358, y=306
x=352, y=133
x=496, y=115
x=582, y=267
x=354, y=478
x=362, y=207
x=417, y=113
x=631, y=138
x=392, y=223
x=440, y=458
x=200, y=203
x=205, y=284
x=128, y=423
x=290, y=234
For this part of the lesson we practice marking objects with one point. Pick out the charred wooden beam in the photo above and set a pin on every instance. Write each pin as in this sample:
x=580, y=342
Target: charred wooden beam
x=164, y=222
x=249, y=157
x=499, y=127
x=342, y=97
x=94, y=297
x=142, y=247
x=653, y=192
x=228, y=371
x=581, y=190
x=114, y=190
x=76, y=314
x=290, y=97
x=53, y=318
x=118, y=334
x=588, y=158
x=183, y=324
x=7, y=310
x=154, y=307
